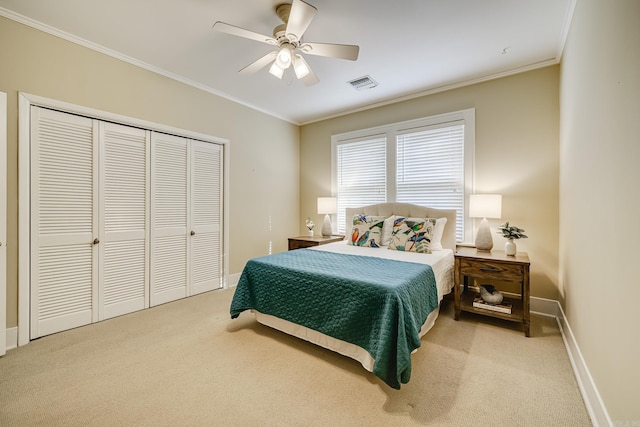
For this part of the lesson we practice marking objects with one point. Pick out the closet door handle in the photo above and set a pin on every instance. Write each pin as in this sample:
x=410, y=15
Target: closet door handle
x=96, y=241
x=193, y=233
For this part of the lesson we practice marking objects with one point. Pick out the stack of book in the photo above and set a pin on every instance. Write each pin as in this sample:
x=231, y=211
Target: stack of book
x=503, y=307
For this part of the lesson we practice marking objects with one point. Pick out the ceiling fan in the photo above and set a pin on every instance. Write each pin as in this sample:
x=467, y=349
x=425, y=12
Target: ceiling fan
x=288, y=38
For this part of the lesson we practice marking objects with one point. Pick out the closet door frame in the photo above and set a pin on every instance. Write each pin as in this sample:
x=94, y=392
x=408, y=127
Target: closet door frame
x=25, y=102
x=3, y=223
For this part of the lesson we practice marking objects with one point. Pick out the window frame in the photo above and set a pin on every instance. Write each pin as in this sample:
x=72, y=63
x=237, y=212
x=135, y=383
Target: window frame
x=466, y=116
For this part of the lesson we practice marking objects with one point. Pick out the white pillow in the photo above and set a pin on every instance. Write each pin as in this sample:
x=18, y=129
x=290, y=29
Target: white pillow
x=387, y=229
x=436, y=241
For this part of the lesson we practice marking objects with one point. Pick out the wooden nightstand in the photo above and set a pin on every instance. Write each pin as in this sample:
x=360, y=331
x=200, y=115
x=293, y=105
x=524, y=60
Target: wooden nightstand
x=489, y=267
x=308, y=241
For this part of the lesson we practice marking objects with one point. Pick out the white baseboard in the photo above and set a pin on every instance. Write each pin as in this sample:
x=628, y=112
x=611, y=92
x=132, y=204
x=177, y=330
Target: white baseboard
x=12, y=338
x=232, y=280
x=545, y=307
x=592, y=400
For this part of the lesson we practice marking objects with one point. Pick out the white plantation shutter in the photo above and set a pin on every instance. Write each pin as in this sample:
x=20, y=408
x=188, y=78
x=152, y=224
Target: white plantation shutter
x=63, y=257
x=361, y=174
x=124, y=243
x=206, y=217
x=169, y=189
x=430, y=169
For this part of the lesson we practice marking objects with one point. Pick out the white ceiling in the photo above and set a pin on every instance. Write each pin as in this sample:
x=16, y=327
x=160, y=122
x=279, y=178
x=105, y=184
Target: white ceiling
x=409, y=47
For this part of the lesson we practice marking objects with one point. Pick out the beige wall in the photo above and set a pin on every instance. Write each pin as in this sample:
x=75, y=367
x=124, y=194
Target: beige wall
x=599, y=197
x=264, y=150
x=516, y=156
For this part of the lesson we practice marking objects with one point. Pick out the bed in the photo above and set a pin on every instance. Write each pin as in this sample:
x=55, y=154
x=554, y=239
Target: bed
x=356, y=297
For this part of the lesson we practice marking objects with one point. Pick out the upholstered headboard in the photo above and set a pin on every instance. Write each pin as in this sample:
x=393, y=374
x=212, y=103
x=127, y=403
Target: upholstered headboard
x=410, y=210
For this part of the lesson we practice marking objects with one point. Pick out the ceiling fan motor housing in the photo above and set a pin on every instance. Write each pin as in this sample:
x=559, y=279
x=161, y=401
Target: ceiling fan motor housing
x=283, y=11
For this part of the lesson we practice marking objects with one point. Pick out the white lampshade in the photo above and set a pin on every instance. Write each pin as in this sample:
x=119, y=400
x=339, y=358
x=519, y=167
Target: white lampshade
x=485, y=206
x=327, y=206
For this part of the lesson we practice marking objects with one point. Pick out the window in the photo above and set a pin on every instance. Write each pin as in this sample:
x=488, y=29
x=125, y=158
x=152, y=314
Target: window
x=428, y=162
x=360, y=174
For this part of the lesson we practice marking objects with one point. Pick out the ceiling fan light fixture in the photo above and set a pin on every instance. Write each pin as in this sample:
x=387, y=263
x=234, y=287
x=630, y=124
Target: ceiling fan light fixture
x=284, y=56
x=300, y=67
x=276, y=71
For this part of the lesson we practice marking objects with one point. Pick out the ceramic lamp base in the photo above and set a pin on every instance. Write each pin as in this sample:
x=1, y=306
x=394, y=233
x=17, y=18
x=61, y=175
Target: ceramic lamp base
x=326, y=226
x=484, y=241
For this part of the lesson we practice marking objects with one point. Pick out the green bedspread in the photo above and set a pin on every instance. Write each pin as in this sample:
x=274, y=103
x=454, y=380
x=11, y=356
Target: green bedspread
x=377, y=304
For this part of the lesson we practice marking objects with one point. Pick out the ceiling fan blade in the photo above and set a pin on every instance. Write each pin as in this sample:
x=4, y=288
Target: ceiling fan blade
x=343, y=51
x=260, y=63
x=310, y=79
x=241, y=32
x=300, y=17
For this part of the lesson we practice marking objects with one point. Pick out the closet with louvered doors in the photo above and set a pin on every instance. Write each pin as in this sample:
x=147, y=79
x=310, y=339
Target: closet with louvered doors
x=186, y=217
x=121, y=218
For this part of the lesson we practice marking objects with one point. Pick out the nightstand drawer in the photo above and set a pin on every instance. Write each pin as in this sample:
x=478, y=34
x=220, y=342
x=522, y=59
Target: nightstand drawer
x=491, y=270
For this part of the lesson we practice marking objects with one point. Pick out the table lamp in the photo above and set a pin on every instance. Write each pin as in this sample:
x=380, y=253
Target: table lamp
x=485, y=206
x=327, y=206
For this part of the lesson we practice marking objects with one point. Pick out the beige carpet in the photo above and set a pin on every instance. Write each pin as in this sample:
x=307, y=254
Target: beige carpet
x=187, y=363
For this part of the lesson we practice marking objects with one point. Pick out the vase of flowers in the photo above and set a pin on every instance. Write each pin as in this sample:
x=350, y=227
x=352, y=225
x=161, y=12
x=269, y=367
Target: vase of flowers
x=511, y=233
x=310, y=226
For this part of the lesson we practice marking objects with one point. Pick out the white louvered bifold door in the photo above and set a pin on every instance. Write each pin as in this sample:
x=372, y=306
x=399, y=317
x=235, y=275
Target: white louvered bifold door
x=123, y=247
x=205, y=211
x=169, y=189
x=63, y=221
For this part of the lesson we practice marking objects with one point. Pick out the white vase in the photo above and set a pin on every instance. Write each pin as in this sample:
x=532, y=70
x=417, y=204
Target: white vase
x=510, y=248
x=310, y=233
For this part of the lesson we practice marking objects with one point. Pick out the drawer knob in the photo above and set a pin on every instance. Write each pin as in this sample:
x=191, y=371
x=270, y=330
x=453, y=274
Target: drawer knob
x=490, y=269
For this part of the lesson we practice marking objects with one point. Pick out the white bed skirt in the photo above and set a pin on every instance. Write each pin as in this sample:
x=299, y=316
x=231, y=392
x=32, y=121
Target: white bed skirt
x=346, y=349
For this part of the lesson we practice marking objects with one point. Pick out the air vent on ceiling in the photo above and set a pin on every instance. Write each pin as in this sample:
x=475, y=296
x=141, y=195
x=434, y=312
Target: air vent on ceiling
x=362, y=83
